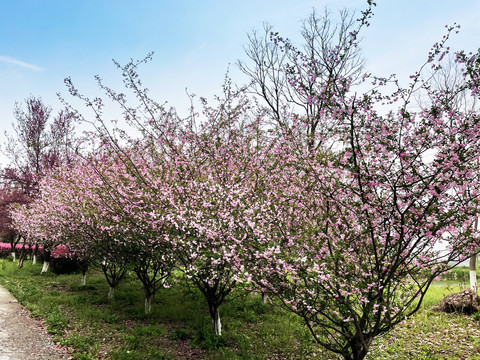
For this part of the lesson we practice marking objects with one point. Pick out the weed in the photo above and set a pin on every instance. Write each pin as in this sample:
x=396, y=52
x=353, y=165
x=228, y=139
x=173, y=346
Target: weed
x=476, y=316
x=154, y=353
x=81, y=343
x=208, y=340
x=150, y=353
x=27, y=292
x=124, y=355
x=56, y=321
x=132, y=342
x=249, y=309
x=180, y=334
x=245, y=346
x=79, y=299
x=427, y=353
x=111, y=318
x=150, y=330
x=77, y=287
x=84, y=356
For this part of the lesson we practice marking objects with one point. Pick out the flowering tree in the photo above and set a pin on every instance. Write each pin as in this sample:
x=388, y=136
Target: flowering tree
x=351, y=230
x=198, y=171
x=37, y=144
x=9, y=196
x=97, y=209
x=216, y=196
x=338, y=212
x=446, y=81
x=29, y=222
x=136, y=203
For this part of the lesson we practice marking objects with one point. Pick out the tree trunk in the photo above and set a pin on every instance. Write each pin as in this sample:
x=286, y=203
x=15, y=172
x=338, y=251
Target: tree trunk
x=21, y=260
x=14, y=256
x=473, y=273
x=473, y=266
x=84, y=279
x=358, y=347
x=35, y=252
x=264, y=297
x=23, y=256
x=46, y=259
x=217, y=324
x=46, y=264
x=111, y=292
x=149, y=304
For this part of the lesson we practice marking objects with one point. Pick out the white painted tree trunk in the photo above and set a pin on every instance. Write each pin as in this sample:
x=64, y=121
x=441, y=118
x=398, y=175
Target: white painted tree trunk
x=111, y=292
x=473, y=273
x=217, y=324
x=148, y=304
x=34, y=259
x=473, y=266
x=84, y=280
x=14, y=256
x=264, y=297
x=46, y=264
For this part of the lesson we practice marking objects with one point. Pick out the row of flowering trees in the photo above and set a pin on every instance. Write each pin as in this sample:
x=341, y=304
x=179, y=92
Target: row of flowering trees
x=342, y=223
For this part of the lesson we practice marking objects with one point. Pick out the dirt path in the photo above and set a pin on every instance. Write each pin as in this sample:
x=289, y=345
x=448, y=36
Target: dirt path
x=21, y=337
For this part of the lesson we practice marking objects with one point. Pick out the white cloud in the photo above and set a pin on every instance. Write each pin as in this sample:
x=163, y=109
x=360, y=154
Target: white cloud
x=16, y=62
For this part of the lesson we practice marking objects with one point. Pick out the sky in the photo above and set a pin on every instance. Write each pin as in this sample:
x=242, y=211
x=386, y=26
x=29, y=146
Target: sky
x=194, y=42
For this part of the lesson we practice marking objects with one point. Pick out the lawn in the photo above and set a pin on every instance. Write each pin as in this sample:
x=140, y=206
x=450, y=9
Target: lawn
x=83, y=319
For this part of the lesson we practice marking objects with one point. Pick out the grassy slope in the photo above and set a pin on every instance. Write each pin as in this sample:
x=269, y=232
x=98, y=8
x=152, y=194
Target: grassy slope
x=83, y=319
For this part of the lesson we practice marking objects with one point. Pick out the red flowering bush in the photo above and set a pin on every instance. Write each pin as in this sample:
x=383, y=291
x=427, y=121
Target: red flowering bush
x=6, y=249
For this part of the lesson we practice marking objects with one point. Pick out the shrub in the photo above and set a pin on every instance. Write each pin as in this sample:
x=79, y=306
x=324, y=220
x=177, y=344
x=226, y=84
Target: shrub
x=64, y=261
x=63, y=265
x=6, y=249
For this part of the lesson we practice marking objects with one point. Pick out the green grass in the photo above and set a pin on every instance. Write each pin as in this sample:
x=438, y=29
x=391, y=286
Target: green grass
x=459, y=275
x=92, y=326
x=430, y=335
x=83, y=319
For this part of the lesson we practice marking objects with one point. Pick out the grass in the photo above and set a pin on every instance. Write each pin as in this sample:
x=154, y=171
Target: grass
x=83, y=319
x=430, y=335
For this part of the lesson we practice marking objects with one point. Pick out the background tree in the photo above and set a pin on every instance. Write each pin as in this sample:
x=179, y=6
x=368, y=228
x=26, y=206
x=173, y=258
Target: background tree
x=8, y=197
x=37, y=144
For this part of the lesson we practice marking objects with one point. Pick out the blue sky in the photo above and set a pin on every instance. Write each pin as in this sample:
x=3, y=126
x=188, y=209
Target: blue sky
x=44, y=41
